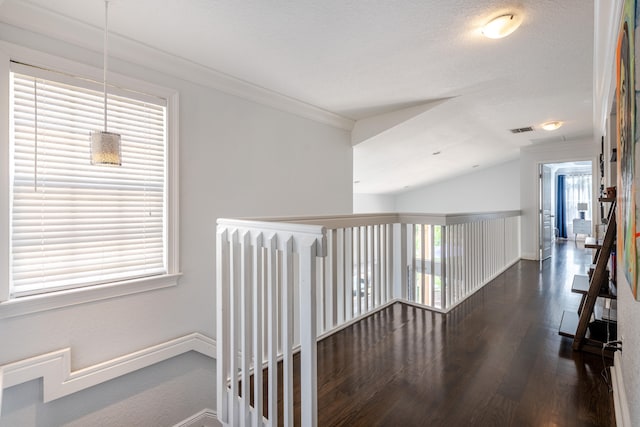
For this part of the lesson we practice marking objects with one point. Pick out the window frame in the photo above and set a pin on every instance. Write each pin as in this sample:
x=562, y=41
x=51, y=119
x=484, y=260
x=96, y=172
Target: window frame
x=10, y=307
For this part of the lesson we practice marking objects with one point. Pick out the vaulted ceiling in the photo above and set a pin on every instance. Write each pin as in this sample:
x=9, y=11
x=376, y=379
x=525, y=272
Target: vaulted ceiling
x=416, y=77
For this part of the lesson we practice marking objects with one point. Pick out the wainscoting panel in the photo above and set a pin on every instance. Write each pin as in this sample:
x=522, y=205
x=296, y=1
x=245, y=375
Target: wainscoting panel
x=58, y=380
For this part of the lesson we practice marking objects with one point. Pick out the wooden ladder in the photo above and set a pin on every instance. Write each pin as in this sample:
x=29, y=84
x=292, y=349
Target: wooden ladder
x=576, y=325
x=598, y=278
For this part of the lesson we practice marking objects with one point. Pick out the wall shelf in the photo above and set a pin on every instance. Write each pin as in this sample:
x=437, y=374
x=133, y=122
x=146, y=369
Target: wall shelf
x=594, y=323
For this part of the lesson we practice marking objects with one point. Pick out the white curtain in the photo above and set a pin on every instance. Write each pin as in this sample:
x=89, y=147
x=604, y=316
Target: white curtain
x=578, y=189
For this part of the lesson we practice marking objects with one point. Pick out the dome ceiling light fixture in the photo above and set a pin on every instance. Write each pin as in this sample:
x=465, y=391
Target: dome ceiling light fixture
x=502, y=26
x=552, y=125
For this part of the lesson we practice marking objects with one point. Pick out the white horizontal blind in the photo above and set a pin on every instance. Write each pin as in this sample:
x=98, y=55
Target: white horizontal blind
x=74, y=224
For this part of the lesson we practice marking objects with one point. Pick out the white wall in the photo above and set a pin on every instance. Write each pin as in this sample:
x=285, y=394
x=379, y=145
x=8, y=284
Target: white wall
x=237, y=158
x=530, y=159
x=629, y=333
x=373, y=203
x=608, y=13
x=491, y=189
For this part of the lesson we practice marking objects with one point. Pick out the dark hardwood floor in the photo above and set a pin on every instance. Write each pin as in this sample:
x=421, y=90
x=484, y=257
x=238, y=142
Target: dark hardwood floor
x=496, y=360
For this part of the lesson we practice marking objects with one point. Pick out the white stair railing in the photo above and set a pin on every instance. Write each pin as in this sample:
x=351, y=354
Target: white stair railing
x=356, y=276
x=475, y=253
x=266, y=305
x=282, y=283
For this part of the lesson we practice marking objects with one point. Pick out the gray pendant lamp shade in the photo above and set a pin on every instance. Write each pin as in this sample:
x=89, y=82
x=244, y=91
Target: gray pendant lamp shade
x=105, y=149
x=105, y=146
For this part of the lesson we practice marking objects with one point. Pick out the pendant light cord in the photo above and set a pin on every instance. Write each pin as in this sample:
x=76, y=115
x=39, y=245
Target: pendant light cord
x=104, y=77
x=35, y=136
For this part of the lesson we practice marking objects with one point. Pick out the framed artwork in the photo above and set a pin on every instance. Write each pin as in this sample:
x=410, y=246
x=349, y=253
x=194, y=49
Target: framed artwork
x=626, y=96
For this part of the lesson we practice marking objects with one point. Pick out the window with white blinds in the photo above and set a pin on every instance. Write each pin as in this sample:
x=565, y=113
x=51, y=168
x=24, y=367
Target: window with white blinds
x=74, y=224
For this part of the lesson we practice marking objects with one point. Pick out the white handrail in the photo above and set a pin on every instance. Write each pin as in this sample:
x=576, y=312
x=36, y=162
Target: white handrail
x=354, y=220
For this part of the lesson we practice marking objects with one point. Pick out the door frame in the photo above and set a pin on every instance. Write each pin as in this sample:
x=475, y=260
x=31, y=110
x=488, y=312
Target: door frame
x=595, y=183
x=541, y=167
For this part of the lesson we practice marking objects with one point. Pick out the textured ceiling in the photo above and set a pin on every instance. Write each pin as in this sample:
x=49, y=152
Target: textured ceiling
x=371, y=60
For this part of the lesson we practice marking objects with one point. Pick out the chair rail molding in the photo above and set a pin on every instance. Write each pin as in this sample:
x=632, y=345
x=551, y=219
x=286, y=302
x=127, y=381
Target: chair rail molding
x=58, y=380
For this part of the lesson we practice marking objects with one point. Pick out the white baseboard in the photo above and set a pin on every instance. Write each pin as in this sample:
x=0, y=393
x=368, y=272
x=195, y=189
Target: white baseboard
x=58, y=380
x=623, y=419
x=204, y=418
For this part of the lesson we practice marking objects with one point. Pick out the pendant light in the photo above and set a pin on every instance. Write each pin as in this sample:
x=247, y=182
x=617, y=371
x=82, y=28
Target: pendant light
x=105, y=146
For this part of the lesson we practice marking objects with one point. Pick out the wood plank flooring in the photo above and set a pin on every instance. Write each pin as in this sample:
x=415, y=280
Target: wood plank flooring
x=496, y=360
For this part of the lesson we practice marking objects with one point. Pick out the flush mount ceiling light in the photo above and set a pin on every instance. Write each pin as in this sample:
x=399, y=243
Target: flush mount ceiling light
x=105, y=146
x=553, y=125
x=502, y=26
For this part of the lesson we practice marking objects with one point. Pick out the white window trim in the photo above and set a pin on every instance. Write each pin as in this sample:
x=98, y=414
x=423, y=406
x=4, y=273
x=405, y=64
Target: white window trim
x=59, y=299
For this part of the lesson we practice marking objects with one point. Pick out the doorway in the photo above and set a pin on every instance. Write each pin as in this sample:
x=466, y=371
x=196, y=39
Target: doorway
x=566, y=204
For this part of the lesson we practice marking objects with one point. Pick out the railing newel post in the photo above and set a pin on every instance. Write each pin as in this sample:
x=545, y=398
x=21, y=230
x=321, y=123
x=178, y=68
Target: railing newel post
x=400, y=261
x=443, y=267
x=308, y=333
x=222, y=321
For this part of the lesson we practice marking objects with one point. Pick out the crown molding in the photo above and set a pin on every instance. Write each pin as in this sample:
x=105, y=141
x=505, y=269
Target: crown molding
x=53, y=25
x=607, y=18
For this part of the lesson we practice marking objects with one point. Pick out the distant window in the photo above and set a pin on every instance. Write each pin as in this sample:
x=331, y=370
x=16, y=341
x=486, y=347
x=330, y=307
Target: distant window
x=73, y=224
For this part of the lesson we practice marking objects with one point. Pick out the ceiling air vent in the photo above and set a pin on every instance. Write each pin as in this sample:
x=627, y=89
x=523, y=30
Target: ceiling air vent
x=521, y=130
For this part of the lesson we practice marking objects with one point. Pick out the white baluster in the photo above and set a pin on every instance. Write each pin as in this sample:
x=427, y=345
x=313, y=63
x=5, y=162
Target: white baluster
x=340, y=276
x=377, y=264
x=287, y=329
x=358, y=264
x=246, y=331
x=272, y=310
x=348, y=273
x=366, y=246
x=330, y=279
x=235, y=329
x=257, y=331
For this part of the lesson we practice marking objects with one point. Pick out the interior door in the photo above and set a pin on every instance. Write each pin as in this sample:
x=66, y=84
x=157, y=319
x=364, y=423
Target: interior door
x=546, y=227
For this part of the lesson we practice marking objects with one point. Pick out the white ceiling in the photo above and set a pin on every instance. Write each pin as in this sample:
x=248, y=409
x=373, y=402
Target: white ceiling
x=416, y=75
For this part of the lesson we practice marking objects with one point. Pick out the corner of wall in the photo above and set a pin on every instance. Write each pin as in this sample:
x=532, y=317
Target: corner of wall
x=205, y=418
